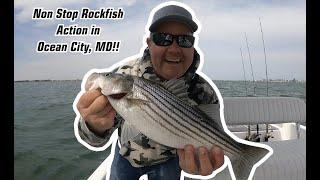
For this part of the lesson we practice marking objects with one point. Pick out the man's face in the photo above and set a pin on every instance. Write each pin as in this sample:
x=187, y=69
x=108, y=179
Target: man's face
x=171, y=61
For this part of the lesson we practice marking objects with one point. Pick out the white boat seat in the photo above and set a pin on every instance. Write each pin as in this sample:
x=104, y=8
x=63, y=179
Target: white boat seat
x=263, y=110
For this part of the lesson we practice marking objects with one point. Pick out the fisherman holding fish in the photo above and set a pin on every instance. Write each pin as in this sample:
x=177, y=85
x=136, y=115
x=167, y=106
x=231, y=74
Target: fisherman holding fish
x=170, y=55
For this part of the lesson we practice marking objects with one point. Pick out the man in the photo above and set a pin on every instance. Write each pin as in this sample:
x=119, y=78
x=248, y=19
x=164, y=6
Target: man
x=170, y=54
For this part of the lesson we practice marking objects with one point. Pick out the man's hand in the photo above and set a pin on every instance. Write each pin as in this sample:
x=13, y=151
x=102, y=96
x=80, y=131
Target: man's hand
x=200, y=161
x=96, y=110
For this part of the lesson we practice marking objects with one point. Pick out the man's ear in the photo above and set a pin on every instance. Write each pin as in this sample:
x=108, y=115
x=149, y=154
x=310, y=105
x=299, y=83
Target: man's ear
x=149, y=42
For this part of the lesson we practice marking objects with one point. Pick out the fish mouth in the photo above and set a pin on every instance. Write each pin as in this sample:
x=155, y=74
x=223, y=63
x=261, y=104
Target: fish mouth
x=118, y=96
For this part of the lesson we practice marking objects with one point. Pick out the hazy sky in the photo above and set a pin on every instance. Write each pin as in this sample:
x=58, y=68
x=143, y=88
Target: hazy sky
x=224, y=23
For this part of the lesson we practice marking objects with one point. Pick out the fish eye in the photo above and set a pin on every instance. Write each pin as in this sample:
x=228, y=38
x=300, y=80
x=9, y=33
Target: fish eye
x=107, y=74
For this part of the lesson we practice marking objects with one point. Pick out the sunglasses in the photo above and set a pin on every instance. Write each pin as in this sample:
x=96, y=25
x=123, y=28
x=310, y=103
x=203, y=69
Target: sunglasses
x=165, y=39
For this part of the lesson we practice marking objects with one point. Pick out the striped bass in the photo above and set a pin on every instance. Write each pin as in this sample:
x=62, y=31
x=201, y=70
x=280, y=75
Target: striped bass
x=159, y=112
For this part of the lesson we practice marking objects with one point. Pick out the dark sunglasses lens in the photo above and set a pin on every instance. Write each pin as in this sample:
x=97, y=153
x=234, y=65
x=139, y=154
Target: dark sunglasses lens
x=162, y=39
x=186, y=41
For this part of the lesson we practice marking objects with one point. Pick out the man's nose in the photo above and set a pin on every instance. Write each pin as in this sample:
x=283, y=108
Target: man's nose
x=174, y=47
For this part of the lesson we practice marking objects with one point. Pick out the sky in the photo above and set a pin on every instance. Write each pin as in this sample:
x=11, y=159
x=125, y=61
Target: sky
x=224, y=24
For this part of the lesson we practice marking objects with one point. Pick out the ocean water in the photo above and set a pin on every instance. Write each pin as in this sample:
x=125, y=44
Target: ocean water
x=45, y=146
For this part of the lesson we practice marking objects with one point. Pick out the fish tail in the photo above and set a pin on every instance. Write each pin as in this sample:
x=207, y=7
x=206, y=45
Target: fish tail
x=243, y=163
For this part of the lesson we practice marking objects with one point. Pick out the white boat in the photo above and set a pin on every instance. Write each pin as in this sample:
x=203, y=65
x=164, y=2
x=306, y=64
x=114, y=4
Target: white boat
x=279, y=120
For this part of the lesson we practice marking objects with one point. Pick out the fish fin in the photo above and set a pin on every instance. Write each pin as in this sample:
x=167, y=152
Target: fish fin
x=243, y=163
x=92, y=82
x=211, y=110
x=178, y=87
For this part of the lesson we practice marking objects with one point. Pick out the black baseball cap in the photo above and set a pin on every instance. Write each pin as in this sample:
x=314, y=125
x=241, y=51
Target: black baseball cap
x=173, y=13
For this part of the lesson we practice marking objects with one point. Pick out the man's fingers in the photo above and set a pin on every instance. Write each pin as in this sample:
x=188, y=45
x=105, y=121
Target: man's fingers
x=190, y=163
x=205, y=162
x=105, y=110
x=111, y=114
x=87, y=98
x=105, y=122
x=99, y=124
x=217, y=157
x=205, y=166
x=98, y=104
x=181, y=155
